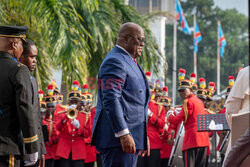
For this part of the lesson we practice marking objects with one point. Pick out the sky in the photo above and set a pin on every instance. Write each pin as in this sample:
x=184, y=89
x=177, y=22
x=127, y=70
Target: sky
x=240, y=5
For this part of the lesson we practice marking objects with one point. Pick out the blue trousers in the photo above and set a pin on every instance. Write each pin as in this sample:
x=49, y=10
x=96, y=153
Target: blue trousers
x=115, y=157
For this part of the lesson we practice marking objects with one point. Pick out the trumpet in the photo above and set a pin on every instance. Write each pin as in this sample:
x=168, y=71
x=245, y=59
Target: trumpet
x=72, y=112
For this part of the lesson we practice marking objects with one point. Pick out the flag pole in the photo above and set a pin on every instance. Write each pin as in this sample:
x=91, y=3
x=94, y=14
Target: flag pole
x=218, y=59
x=195, y=53
x=174, y=58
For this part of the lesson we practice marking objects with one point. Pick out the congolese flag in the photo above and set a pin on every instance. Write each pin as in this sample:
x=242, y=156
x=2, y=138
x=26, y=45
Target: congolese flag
x=222, y=41
x=197, y=37
x=181, y=18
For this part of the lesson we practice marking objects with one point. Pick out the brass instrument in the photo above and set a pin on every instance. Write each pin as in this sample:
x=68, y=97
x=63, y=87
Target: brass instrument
x=72, y=113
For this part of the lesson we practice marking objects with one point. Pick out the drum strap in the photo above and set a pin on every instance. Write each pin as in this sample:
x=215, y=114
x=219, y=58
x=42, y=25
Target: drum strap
x=185, y=109
x=160, y=109
x=87, y=118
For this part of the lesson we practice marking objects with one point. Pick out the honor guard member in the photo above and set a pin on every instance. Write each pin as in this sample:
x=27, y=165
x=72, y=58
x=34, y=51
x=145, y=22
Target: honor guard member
x=49, y=130
x=17, y=123
x=156, y=122
x=90, y=113
x=209, y=97
x=73, y=129
x=166, y=147
x=194, y=143
x=28, y=58
x=202, y=95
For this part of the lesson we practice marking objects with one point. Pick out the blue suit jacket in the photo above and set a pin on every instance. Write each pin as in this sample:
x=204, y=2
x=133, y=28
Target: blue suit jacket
x=123, y=96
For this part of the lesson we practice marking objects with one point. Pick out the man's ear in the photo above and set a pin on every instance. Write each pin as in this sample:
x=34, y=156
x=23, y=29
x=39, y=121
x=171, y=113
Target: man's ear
x=14, y=45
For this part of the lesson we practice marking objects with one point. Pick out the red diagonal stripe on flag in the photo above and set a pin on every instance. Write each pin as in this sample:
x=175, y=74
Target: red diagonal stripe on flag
x=222, y=38
x=198, y=34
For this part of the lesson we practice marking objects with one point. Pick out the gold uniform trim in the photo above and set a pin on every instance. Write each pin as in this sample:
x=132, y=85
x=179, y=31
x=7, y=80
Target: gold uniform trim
x=30, y=139
x=185, y=110
x=14, y=36
x=11, y=161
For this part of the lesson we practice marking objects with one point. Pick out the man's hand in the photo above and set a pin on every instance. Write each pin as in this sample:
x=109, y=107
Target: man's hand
x=128, y=144
x=142, y=153
x=32, y=159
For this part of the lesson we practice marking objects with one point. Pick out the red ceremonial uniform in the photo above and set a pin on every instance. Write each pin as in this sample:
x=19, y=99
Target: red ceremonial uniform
x=192, y=106
x=155, y=124
x=90, y=150
x=53, y=138
x=71, y=139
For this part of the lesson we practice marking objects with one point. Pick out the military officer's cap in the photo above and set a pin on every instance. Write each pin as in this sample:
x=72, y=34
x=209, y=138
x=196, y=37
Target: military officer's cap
x=74, y=95
x=13, y=31
x=60, y=98
x=166, y=101
x=42, y=106
x=210, y=95
x=83, y=98
x=158, y=92
x=50, y=100
x=202, y=94
x=184, y=84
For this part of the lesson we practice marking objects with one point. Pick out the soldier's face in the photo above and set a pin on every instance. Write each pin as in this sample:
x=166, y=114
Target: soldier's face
x=185, y=93
x=29, y=59
x=207, y=103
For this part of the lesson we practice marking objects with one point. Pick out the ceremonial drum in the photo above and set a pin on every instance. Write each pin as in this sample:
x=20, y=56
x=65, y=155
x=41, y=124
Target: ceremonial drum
x=175, y=159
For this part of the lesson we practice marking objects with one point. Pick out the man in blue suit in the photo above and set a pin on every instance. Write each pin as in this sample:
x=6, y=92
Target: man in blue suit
x=119, y=127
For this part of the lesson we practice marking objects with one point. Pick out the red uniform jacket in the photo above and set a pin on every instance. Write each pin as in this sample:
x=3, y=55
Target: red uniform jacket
x=155, y=124
x=51, y=144
x=192, y=106
x=90, y=150
x=71, y=139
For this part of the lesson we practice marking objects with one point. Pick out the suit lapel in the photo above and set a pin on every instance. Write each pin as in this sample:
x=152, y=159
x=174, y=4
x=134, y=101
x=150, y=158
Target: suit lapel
x=146, y=82
x=131, y=63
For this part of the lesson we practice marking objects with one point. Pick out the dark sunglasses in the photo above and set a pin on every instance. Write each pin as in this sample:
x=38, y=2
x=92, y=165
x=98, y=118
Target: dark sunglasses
x=140, y=39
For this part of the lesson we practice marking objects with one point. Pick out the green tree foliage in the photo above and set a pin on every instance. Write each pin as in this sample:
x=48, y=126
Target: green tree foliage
x=75, y=35
x=235, y=28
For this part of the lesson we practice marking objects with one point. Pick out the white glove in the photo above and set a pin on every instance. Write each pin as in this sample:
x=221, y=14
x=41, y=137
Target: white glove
x=166, y=127
x=149, y=112
x=75, y=123
x=32, y=159
x=72, y=106
x=170, y=112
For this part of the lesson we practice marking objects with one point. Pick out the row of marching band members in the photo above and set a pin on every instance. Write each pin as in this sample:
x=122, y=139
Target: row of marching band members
x=164, y=122
x=67, y=128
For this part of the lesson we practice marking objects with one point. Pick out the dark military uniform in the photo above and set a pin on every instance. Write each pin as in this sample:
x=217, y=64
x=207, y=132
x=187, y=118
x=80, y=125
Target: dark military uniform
x=16, y=114
x=38, y=117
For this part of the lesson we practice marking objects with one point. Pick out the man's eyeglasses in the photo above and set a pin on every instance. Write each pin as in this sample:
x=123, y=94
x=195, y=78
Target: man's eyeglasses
x=140, y=39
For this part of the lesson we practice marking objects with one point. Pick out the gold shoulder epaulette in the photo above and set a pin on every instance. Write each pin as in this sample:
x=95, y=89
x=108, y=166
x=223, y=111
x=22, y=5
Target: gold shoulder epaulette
x=19, y=64
x=60, y=112
x=64, y=106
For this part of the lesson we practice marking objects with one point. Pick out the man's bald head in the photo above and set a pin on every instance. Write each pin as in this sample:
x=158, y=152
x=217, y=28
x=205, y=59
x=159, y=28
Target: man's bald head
x=131, y=38
x=129, y=28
